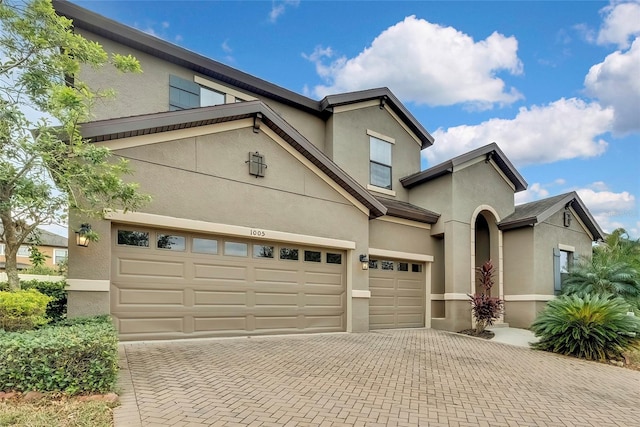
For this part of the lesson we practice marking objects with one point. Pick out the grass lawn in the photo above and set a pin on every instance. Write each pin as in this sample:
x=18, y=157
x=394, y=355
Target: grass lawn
x=56, y=413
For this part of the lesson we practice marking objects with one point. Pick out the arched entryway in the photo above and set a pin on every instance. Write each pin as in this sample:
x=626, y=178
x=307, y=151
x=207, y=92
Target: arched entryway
x=486, y=245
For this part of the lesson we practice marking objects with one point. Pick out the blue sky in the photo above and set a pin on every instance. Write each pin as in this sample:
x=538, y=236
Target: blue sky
x=555, y=83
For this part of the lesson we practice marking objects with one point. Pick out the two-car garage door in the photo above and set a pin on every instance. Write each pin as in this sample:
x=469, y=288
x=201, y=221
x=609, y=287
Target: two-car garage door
x=170, y=284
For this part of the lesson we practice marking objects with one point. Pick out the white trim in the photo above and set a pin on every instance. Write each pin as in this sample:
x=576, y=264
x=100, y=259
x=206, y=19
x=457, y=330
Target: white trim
x=224, y=89
x=577, y=218
x=302, y=159
x=147, y=219
x=155, y=138
x=380, y=136
x=468, y=163
x=529, y=297
x=403, y=124
x=506, y=179
x=400, y=255
x=350, y=257
x=356, y=106
x=88, y=285
x=437, y=297
x=566, y=248
x=403, y=221
x=455, y=297
x=381, y=190
x=355, y=293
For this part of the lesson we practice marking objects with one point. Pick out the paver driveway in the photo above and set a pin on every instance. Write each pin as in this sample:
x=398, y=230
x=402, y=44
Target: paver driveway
x=399, y=377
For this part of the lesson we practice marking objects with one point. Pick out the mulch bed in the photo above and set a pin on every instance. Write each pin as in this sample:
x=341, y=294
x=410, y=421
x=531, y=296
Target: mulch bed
x=487, y=335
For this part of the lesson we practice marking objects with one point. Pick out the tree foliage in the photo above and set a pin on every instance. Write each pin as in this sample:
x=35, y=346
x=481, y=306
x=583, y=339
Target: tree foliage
x=46, y=167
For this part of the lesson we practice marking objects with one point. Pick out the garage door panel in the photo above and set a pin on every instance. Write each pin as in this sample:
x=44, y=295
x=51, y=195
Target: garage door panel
x=229, y=323
x=220, y=272
x=216, y=294
x=150, y=296
x=397, y=298
x=315, y=300
x=141, y=267
x=151, y=325
x=214, y=298
x=278, y=299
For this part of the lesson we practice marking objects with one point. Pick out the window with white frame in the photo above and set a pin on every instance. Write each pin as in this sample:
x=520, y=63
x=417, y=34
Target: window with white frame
x=23, y=251
x=380, y=162
x=59, y=255
x=1, y=248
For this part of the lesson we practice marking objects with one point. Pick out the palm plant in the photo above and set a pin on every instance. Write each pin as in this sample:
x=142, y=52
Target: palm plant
x=594, y=327
x=600, y=276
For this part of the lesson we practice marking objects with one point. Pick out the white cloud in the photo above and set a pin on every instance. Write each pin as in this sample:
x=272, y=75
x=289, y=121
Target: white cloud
x=279, y=7
x=621, y=22
x=535, y=191
x=610, y=210
x=564, y=129
x=427, y=63
x=616, y=82
x=226, y=47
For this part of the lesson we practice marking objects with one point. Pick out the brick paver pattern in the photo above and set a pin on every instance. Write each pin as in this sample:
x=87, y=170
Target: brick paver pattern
x=417, y=377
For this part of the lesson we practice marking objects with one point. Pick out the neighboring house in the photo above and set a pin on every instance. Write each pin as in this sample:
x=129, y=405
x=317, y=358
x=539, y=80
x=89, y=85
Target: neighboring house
x=53, y=246
x=276, y=213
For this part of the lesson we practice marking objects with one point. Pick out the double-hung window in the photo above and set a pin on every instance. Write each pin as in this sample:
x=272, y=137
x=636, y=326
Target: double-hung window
x=380, y=163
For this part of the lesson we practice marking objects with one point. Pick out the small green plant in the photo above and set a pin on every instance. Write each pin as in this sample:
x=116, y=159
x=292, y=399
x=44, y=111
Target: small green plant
x=37, y=258
x=591, y=326
x=57, y=307
x=23, y=310
x=485, y=308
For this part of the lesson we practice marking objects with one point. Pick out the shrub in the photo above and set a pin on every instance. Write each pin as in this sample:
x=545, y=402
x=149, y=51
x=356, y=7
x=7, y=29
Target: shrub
x=593, y=327
x=23, y=309
x=485, y=309
x=81, y=358
x=57, y=308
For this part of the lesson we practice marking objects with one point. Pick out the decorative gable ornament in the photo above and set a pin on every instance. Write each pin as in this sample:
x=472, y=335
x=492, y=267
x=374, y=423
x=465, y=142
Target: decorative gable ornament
x=257, y=164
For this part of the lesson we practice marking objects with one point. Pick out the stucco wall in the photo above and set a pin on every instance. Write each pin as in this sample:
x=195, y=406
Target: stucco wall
x=547, y=236
x=399, y=237
x=519, y=268
x=350, y=145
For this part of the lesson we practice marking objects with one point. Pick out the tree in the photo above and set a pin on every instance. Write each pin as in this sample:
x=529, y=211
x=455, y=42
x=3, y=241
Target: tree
x=618, y=247
x=46, y=168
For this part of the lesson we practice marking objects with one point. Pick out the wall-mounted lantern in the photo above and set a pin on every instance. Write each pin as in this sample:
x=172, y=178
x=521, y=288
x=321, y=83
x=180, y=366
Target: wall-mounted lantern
x=82, y=235
x=364, y=259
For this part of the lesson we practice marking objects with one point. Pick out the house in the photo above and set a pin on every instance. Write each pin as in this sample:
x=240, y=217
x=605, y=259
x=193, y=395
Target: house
x=276, y=213
x=52, y=246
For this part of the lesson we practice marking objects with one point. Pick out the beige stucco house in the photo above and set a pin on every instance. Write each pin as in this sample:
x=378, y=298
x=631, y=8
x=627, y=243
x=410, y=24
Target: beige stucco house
x=51, y=245
x=276, y=213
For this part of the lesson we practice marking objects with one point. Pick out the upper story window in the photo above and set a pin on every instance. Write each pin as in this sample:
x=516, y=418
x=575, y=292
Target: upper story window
x=200, y=92
x=23, y=251
x=59, y=255
x=380, y=162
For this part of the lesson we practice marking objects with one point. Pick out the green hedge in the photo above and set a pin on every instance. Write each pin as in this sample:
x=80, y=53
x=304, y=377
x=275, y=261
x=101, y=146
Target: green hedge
x=79, y=357
x=23, y=309
x=57, y=308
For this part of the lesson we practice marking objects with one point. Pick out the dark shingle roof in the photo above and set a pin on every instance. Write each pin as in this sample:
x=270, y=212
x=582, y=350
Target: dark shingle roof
x=113, y=30
x=44, y=238
x=491, y=150
x=530, y=214
x=406, y=210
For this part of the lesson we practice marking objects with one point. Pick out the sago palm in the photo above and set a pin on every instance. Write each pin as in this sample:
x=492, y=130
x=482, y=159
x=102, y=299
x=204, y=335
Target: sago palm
x=601, y=277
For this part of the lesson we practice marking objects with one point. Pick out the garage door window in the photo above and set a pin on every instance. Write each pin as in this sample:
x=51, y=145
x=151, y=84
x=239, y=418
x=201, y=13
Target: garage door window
x=373, y=264
x=261, y=251
x=204, y=246
x=403, y=266
x=170, y=242
x=312, y=256
x=387, y=265
x=288, y=253
x=416, y=268
x=235, y=249
x=133, y=238
x=334, y=258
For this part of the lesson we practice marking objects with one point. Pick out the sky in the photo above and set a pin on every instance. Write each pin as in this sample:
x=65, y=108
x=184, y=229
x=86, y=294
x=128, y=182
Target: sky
x=556, y=84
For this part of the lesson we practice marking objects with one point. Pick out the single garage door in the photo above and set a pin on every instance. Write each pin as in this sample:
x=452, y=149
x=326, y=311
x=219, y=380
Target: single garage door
x=397, y=294
x=171, y=284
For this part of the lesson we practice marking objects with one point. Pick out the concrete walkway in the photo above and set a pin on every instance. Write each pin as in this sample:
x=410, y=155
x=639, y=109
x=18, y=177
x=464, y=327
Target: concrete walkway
x=513, y=336
x=411, y=377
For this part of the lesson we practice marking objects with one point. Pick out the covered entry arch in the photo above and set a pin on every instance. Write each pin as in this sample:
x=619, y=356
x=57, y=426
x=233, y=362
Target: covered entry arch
x=486, y=243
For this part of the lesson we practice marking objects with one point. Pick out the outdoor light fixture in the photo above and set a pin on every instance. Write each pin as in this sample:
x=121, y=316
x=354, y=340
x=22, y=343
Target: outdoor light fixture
x=82, y=238
x=365, y=261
